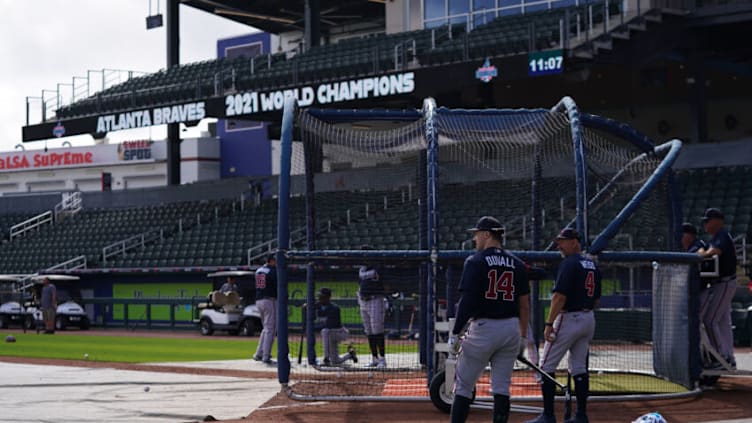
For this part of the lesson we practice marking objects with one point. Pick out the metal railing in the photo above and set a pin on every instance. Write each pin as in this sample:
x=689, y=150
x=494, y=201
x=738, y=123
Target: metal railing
x=72, y=264
x=32, y=223
x=125, y=245
x=740, y=245
x=258, y=251
x=71, y=204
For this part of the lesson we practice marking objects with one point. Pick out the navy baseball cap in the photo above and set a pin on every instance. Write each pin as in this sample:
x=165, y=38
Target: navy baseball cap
x=325, y=292
x=688, y=228
x=487, y=223
x=568, y=233
x=712, y=213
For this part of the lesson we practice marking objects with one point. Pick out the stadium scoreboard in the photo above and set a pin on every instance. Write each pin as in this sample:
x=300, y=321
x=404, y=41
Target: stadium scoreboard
x=545, y=62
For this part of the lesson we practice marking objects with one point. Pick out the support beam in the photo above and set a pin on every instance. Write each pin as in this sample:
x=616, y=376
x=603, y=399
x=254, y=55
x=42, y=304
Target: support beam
x=312, y=24
x=173, y=59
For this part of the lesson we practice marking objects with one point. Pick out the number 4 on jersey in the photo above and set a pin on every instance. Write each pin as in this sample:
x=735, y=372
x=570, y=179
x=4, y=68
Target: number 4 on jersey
x=590, y=284
x=503, y=283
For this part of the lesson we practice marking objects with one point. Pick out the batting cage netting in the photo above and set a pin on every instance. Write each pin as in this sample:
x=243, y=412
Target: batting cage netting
x=392, y=193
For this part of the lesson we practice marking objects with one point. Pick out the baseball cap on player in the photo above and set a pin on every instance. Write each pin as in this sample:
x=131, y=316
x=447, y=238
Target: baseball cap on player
x=326, y=292
x=487, y=223
x=568, y=233
x=712, y=213
x=688, y=228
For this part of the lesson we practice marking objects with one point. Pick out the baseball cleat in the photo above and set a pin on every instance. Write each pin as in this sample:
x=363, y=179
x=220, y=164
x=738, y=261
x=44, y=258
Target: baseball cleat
x=381, y=364
x=543, y=418
x=353, y=356
x=374, y=362
x=577, y=419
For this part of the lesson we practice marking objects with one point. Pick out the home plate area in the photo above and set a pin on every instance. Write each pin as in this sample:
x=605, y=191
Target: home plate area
x=415, y=387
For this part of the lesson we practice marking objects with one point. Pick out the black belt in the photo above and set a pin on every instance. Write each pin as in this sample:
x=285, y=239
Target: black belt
x=576, y=310
x=496, y=318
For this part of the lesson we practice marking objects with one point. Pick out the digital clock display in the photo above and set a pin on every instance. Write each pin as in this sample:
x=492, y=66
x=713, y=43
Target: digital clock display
x=545, y=62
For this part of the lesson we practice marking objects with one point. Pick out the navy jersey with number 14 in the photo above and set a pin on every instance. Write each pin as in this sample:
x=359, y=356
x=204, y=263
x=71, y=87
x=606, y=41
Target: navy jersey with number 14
x=492, y=283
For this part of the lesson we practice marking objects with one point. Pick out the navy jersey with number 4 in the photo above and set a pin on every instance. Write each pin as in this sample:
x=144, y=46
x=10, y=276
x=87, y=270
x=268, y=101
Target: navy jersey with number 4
x=492, y=283
x=580, y=280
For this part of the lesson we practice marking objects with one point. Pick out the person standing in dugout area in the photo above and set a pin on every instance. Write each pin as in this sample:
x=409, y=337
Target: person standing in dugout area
x=494, y=291
x=266, y=302
x=372, y=302
x=570, y=325
x=716, y=310
x=49, y=305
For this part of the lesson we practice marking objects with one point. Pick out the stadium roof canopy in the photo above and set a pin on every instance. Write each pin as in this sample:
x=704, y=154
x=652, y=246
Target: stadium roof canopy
x=277, y=16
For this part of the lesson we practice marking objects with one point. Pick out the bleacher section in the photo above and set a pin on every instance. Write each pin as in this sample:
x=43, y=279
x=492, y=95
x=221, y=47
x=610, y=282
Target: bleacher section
x=506, y=35
x=225, y=241
x=219, y=233
x=727, y=188
x=89, y=231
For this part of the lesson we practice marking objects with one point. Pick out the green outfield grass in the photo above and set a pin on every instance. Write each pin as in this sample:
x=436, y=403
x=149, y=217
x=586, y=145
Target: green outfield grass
x=127, y=349
x=134, y=349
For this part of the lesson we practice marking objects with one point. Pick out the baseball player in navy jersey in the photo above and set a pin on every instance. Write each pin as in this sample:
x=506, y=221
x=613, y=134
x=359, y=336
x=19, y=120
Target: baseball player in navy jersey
x=371, y=300
x=329, y=320
x=266, y=302
x=716, y=313
x=689, y=240
x=570, y=324
x=494, y=304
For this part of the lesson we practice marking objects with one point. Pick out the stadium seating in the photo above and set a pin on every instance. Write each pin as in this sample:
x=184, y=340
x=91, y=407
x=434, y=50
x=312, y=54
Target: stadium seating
x=89, y=231
x=213, y=233
x=360, y=56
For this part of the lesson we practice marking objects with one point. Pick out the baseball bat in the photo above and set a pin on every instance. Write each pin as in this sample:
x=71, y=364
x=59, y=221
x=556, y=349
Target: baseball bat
x=410, y=325
x=535, y=367
x=568, y=398
x=302, y=334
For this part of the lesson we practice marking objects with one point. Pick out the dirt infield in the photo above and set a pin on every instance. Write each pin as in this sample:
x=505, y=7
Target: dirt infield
x=729, y=399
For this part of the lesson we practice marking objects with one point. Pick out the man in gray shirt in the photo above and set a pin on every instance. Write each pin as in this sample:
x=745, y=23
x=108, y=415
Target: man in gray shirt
x=49, y=305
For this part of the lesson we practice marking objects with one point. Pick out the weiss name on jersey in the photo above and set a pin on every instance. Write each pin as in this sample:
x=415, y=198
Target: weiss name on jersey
x=587, y=264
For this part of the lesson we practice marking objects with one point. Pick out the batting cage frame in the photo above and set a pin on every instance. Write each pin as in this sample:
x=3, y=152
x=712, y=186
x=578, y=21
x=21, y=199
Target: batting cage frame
x=431, y=133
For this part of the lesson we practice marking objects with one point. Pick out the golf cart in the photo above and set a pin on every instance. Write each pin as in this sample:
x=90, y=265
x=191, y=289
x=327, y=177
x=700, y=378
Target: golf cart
x=11, y=300
x=69, y=312
x=229, y=311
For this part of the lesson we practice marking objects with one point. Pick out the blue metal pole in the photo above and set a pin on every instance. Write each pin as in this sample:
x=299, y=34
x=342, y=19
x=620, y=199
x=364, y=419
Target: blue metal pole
x=568, y=106
x=432, y=193
x=671, y=151
x=283, y=240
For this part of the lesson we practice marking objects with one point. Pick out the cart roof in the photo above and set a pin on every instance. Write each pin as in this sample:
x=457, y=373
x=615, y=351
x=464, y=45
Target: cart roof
x=55, y=277
x=226, y=273
x=11, y=278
